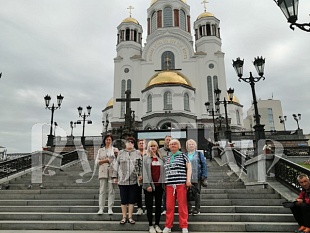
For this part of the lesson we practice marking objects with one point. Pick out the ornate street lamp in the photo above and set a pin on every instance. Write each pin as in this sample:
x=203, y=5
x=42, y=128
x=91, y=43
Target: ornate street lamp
x=47, y=99
x=213, y=113
x=84, y=116
x=230, y=92
x=290, y=10
x=297, y=118
x=259, y=64
x=282, y=121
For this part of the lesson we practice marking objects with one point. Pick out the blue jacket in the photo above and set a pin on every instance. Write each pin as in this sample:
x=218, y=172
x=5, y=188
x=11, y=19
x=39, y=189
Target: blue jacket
x=199, y=167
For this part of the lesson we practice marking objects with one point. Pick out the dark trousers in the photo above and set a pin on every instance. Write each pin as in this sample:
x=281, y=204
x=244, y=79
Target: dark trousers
x=139, y=196
x=164, y=201
x=302, y=214
x=149, y=196
x=197, y=200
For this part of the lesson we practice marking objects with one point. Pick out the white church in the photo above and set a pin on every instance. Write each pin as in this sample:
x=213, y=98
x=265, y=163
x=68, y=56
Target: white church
x=174, y=73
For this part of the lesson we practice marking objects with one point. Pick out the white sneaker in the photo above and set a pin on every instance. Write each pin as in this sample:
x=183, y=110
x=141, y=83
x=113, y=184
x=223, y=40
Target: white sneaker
x=163, y=213
x=110, y=211
x=100, y=212
x=152, y=229
x=140, y=211
x=167, y=230
x=157, y=228
x=184, y=230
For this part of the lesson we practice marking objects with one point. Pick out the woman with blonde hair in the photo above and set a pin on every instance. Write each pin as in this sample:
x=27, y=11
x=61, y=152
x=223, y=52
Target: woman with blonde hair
x=153, y=179
x=199, y=172
x=178, y=178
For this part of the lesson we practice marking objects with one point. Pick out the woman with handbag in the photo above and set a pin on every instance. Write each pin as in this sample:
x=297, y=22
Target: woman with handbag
x=153, y=179
x=178, y=178
x=199, y=173
x=128, y=166
x=105, y=159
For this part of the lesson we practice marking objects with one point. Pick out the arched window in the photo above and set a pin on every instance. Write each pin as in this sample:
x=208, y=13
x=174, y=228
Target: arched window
x=167, y=100
x=215, y=82
x=149, y=103
x=168, y=17
x=200, y=31
x=127, y=36
x=208, y=30
x=210, y=90
x=153, y=21
x=167, y=61
x=186, y=102
x=123, y=89
x=238, y=117
x=135, y=35
x=182, y=20
x=129, y=84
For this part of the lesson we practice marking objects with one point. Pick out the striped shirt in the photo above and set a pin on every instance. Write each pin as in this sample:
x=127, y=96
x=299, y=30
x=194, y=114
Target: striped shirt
x=176, y=170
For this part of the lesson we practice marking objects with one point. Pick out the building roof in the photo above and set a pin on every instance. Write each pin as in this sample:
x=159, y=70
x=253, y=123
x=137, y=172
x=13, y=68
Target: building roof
x=153, y=1
x=110, y=103
x=130, y=20
x=205, y=15
x=168, y=77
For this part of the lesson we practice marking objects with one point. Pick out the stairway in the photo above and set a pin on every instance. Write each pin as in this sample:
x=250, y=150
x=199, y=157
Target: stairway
x=63, y=204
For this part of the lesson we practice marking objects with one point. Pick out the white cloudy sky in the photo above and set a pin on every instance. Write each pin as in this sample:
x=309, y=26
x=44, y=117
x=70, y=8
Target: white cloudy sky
x=68, y=46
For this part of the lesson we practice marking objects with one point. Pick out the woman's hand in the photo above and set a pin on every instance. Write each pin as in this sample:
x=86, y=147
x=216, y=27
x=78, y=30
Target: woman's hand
x=149, y=189
x=299, y=201
x=188, y=184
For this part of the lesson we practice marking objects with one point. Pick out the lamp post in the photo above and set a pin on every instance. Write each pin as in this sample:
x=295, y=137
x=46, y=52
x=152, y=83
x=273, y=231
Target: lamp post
x=84, y=116
x=290, y=10
x=297, y=118
x=212, y=113
x=282, y=121
x=230, y=92
x=72, y=125
x=47, y=99
x=259, y=64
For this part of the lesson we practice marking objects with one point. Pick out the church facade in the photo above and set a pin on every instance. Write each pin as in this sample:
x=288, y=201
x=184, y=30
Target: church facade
x=173, y=74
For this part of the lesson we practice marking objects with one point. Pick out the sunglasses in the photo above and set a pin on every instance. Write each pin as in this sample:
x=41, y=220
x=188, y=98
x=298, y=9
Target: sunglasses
x=131, y=142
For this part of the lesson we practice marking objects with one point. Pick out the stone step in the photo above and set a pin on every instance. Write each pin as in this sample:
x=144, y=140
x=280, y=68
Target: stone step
x=96, y=190
x=112, y=226
x=94, y=202
x=116, y=209
x=52, y=196
x=208, y=217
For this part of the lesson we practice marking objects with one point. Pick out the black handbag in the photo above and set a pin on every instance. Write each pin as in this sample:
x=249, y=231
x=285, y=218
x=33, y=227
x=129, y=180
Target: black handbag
x=288, y=204
x=192, y=193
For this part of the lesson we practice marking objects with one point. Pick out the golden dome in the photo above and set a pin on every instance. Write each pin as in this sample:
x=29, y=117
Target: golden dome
x=153, y=1
x=168, y=77
x=205, y=15
x=110, y=103
x=235, y=99
x=130, y=20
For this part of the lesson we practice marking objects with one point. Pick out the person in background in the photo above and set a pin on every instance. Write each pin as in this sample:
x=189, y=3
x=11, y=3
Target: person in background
x=178, y=172
x=153, y=179
x=142, y=152
x=199, y=172
x=164, y=151
x=128, y=167
x=105, y=158
x=301, y=208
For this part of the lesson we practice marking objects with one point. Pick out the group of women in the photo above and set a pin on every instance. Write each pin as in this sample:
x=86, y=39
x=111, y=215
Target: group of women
x=168, y=176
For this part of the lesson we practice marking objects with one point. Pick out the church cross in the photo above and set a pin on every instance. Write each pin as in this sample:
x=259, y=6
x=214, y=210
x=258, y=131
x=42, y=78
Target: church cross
x=130, y=8
x=204, y=2
x=128, y=100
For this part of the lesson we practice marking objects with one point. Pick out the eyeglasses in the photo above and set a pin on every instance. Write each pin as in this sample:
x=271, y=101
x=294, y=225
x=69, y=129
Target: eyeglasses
x=131, y=142
x=152, y=145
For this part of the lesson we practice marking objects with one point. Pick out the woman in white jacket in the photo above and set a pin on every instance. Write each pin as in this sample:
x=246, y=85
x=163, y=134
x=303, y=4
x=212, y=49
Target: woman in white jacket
x=106, y=157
